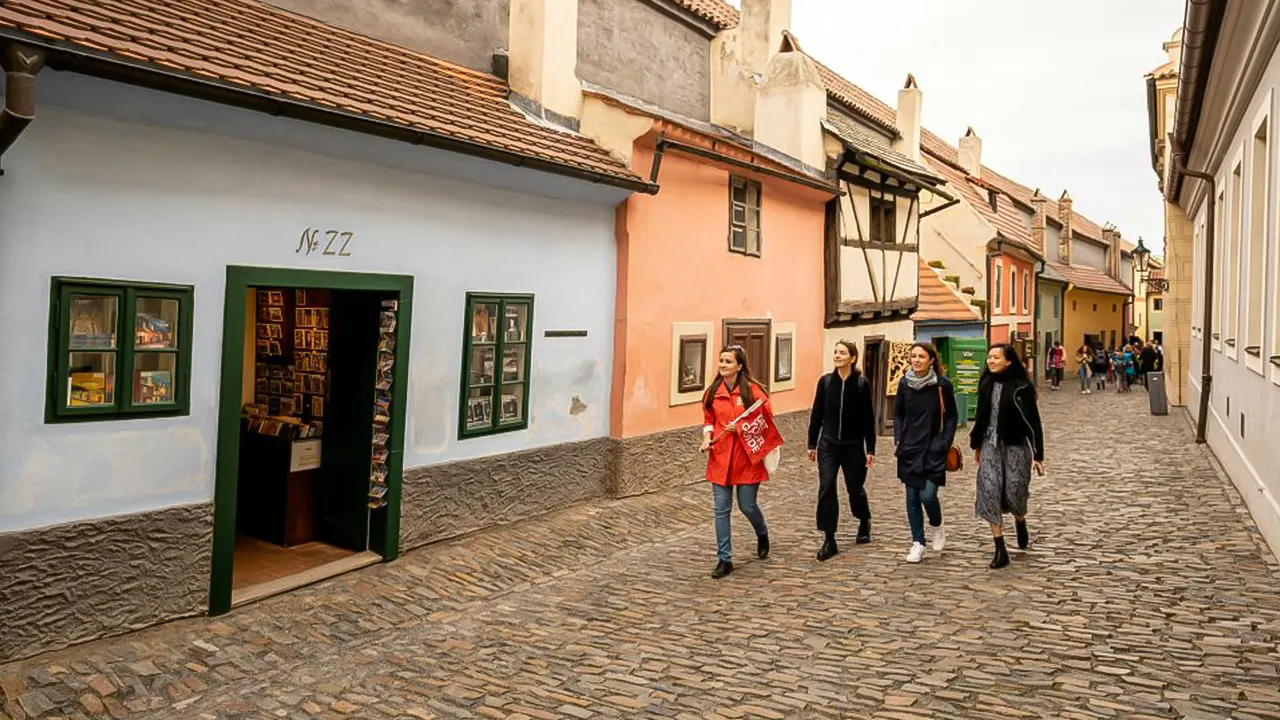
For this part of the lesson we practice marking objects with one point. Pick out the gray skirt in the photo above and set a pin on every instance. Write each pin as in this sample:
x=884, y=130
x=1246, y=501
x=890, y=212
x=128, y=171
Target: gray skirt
x=1004, y=481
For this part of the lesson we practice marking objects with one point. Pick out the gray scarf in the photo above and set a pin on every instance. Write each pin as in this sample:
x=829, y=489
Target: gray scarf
x=918, y=382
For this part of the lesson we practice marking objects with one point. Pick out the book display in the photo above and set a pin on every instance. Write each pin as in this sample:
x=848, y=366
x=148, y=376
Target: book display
x=382, y=404
x=291, y=378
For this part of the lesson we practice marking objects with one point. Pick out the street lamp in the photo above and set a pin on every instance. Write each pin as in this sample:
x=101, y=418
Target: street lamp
x=1142, y=255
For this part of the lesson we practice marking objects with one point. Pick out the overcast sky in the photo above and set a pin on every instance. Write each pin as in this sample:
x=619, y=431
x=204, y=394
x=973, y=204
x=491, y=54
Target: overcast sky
x=1055, y=89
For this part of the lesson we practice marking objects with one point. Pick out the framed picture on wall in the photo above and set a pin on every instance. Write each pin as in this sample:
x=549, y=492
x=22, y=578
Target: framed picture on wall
x=693, y=363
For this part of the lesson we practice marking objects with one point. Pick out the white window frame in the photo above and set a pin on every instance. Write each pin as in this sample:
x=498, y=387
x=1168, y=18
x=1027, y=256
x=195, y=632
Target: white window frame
x=1256, y=363
x=1231, y=300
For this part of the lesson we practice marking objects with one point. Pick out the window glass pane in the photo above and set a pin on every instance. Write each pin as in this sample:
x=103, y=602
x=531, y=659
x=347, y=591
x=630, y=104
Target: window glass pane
x=738, y=240
x=484, y=323
x=92, y=322
x=513, y=358
x=156, y=324
x=739, y=194
x=783, y=371
x=753, y=195
x=515, y=323
x=753, y=242
x=91, y=379
x=479, y=414
x=753, y=218
x=739, y=214
x=481, y=367
x=512, y=407
x=153, y=375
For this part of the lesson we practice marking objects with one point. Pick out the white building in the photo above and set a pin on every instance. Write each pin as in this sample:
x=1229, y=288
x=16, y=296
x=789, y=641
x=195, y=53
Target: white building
x=1224, y=126
x=179, y=242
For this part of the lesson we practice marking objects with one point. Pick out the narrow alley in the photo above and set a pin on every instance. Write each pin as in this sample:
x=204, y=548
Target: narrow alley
x=1147, y=594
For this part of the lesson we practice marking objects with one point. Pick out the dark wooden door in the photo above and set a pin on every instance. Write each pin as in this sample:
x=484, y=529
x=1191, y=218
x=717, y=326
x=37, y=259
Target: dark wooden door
x=873, y=365
x=753, y=336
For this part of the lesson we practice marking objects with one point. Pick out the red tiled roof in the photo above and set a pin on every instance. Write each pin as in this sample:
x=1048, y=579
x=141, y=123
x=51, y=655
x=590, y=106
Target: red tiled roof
x=249, y=46
x=1006, y=219
x=1090, y=278
x=722, y=14
x=868, y=105
x=938, y=302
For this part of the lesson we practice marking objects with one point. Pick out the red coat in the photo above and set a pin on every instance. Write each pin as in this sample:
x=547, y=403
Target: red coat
x=727, y=460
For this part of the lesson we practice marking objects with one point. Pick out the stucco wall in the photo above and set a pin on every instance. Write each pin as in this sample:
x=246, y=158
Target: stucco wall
x=1081, y=318
x=632, y=47
x=1052, y=236
x=678, y=269
x=1084, y=252
x=958, y=237
x=462, y=31
x=140, y=199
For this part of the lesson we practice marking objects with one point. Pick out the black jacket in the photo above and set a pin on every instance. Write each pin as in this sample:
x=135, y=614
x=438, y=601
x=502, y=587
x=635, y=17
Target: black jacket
x=1019, y=418
x=843, y=413
x=922, y=433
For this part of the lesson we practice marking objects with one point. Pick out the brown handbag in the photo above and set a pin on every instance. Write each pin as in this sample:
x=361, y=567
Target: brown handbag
x=955, y=460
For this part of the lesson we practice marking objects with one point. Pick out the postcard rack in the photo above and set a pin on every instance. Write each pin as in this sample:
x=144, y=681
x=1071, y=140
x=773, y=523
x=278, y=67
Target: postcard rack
x=382, y=404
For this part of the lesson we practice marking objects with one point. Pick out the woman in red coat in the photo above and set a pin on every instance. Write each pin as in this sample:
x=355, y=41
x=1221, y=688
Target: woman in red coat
x=728, y=465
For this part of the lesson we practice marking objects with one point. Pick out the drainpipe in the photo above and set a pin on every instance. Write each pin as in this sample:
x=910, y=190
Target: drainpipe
x=20, y=64
x=1206, y=376
x=1035, y=321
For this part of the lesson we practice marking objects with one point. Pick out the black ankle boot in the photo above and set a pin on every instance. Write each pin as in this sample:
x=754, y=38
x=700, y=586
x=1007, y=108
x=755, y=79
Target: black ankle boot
x=829, y=549
x=762, y=546
x=1024, y=538
x=864, y=532
x=1001, y=558
x=724, y=567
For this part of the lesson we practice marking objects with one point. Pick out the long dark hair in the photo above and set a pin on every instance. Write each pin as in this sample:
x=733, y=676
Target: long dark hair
x=934, y=360
x=853, y=354
x=1016, y=370
x=745, y=381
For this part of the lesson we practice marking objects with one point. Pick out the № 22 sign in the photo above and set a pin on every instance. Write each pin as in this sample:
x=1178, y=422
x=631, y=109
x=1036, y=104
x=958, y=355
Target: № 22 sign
x=333, y=242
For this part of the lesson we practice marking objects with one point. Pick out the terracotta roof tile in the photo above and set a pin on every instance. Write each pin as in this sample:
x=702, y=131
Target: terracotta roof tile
x=1007, y=218
x=722, y=14
x=247, y=43
x=859, y=138
x=867, y=105
x=1090, y=278
x=939, y=301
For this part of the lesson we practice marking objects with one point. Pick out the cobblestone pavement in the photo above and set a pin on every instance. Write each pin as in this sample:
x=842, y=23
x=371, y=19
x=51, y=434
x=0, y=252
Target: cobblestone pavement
x=1147, y=594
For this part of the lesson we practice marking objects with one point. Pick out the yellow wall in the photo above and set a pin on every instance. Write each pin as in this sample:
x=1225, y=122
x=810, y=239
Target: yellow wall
x=1080, y=317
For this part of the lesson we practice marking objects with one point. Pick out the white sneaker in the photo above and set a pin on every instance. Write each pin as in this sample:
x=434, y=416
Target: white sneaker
x=939, y=538
x=916, y=554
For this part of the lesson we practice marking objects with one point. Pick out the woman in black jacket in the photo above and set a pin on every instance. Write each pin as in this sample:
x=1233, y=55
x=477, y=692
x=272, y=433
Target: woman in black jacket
x=924, y=426
x=842, y=436
x=1008, y=443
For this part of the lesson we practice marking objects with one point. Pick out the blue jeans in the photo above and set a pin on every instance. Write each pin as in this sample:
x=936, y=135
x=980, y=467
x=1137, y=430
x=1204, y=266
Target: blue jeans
x=724, y=505
x=928, y=497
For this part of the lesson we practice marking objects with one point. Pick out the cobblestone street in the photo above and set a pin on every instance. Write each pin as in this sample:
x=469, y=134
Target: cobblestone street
x=1146, y=595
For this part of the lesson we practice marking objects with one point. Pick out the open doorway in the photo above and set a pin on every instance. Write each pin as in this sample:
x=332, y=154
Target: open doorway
x=311, y=429
x=875, y=369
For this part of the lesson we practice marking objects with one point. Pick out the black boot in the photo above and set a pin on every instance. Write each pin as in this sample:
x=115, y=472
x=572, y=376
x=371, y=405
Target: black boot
x=1024, y=538
x=829, y=548
x=762, y=546
x=724, y=567
x=864, y=531
x=1001, y=558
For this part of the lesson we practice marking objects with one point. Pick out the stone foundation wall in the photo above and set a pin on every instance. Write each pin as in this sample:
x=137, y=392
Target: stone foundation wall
x=447, y=500
x=81, y=581
x=671, y=458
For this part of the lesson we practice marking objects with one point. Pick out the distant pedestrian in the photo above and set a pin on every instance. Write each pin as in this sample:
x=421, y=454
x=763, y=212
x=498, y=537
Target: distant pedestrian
x=1084, y=368
x=729, y=465
x=1148, y=359
x=924, y=428
x=1008, y=443
x=1057, y=362
x=1101, y=368
x=842, y=438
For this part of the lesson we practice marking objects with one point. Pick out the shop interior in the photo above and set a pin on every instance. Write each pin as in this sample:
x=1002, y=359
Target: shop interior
x=316, y=405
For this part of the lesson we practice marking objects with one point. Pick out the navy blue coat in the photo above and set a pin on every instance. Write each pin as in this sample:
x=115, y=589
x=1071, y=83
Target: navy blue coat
x=922, y=434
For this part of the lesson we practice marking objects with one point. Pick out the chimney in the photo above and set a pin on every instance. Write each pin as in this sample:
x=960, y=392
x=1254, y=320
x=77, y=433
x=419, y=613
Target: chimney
x=971, y=153
x=763, y=23
x=791, y=104
x=544, y=54
x=910, y=102
x=1038, y=216
x=1066, y=217
x=1111, y=236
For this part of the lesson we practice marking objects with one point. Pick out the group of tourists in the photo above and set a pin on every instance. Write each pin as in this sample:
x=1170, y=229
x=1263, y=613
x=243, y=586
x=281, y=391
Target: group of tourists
x=1122, y=367
x=1006, y=440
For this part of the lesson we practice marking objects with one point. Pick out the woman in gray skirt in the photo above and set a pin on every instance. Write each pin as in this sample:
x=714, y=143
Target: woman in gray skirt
x=1008, y=443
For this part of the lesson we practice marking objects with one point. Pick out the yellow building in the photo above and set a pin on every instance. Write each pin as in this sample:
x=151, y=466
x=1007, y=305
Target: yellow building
x=1093, y=317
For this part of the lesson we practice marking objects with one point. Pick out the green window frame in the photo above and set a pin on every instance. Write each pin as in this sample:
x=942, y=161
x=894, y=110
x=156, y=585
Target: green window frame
x=497, y=344
x=118, y=350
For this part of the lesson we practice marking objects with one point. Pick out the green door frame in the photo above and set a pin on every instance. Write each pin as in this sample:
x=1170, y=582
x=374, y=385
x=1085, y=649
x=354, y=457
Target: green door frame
x=384, y=531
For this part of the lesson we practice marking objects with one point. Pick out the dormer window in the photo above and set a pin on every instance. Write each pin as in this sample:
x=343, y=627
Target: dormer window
x=994, y=199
